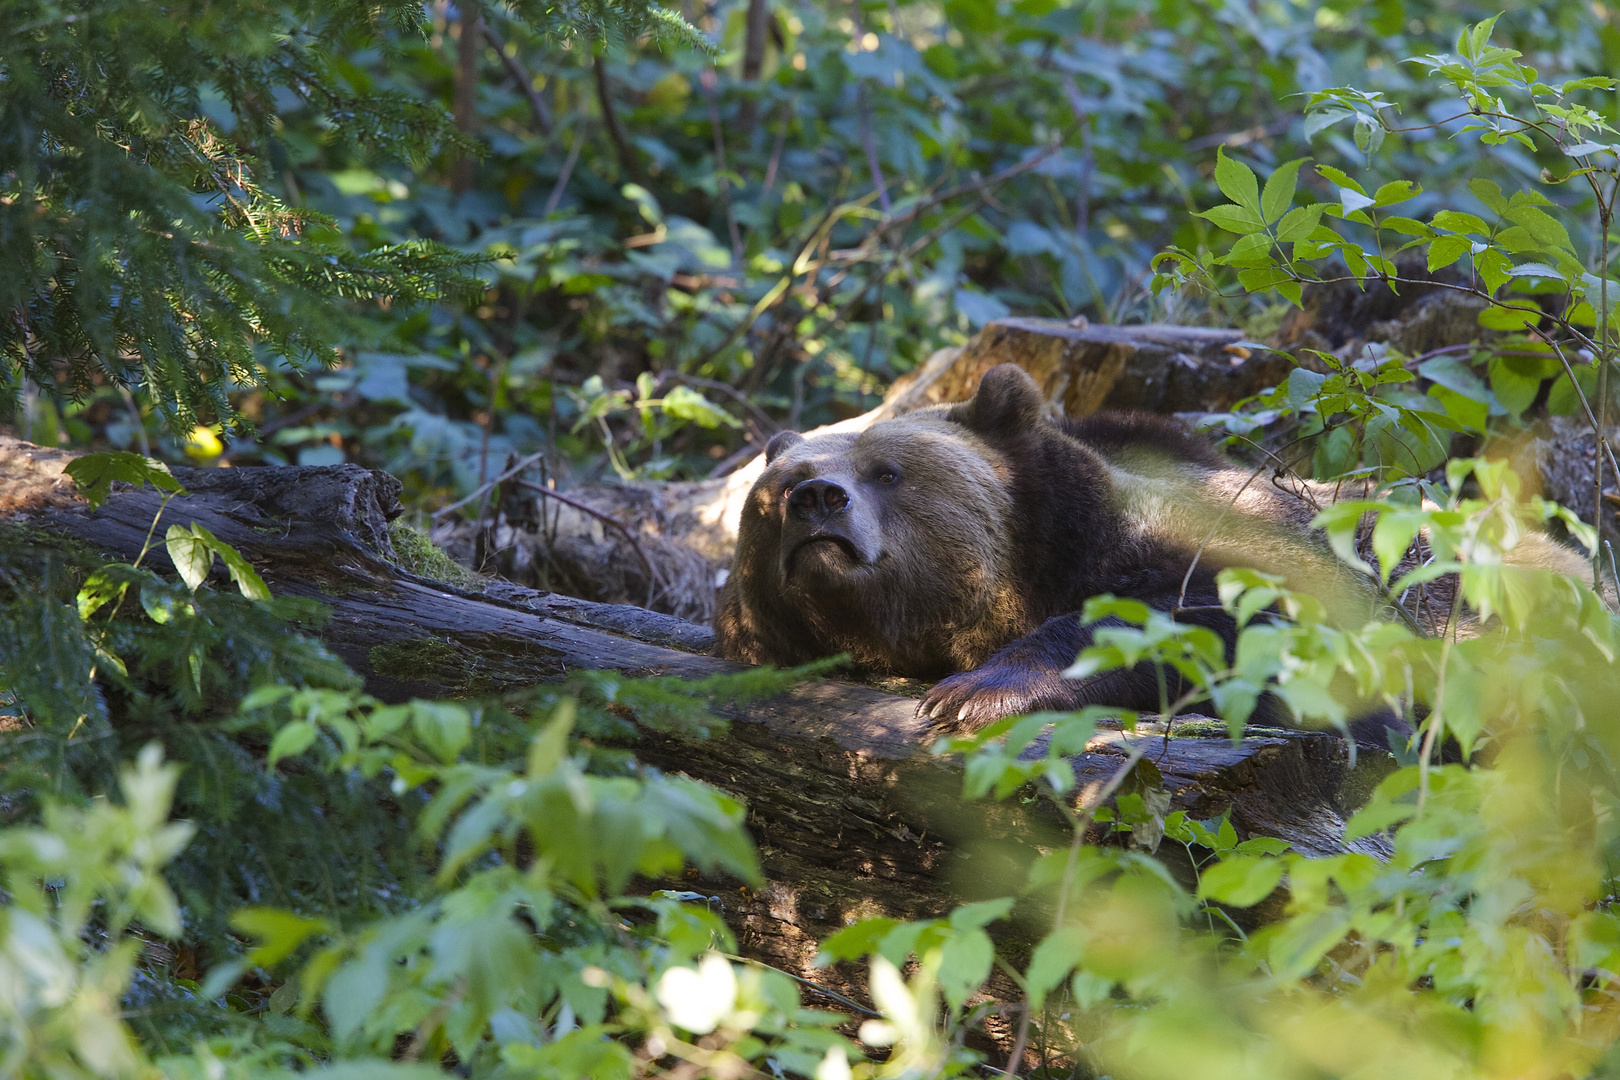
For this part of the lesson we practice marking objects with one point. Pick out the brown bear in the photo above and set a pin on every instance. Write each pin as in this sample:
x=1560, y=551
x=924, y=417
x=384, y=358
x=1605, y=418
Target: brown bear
x=959, y=543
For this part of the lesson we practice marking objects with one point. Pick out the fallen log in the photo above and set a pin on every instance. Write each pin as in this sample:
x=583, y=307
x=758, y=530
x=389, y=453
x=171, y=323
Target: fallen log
x=852, y=814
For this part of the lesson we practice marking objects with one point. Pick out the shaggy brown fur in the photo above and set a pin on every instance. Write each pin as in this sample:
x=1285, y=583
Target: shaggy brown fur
x=959, y=543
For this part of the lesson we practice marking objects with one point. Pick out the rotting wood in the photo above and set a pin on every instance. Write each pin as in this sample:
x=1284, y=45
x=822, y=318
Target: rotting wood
x=852, y=814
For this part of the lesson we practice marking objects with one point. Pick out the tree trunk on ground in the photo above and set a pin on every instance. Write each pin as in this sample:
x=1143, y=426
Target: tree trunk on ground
x=852, y=814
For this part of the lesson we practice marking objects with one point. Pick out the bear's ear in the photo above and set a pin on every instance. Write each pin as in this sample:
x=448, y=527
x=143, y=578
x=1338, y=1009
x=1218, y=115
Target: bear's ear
x=1008, y=401
x=780, y=442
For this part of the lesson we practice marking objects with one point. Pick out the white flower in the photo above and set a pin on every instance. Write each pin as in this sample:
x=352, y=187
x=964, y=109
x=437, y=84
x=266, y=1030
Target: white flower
x=835, y=1066
x=697, y=1000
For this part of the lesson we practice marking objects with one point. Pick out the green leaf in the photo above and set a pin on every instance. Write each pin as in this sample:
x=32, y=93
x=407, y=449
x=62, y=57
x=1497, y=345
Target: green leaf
x=1339, y=178
x=549, y=747
x=982, y=913
x=1537, y=270
x=1232, y=218
x=964, y=964
x=684, y=403
x=855, y=941
x=1494, y=268
x=1392, y=536
x=1237, y=182
x=1375, y=817
x=98, y=590
x=1368, y=134
x=1057, y=954
x=444, y=728
x=1319, y=120
x=1300, y=222
x=191, y=554
x=1511, y=319
x=1303, y=386
x=293, y=739
x=1489, y=193
x=1241, y=880
x=192, y=550
x=1446, y=250
x=1516, y=380
x=159, y=606
x=1406, y=226
x=93, y=474
x=1279, y=192
x=279, y=932
x=1456, y=221
x=1546, y=229
x=1396, y=191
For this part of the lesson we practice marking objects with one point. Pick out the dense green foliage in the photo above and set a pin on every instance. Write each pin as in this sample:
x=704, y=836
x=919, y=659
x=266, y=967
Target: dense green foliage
x=356, y=889
x=620, y=247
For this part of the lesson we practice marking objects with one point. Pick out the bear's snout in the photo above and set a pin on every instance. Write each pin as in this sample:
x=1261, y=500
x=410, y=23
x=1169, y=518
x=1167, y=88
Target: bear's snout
x=817, y=500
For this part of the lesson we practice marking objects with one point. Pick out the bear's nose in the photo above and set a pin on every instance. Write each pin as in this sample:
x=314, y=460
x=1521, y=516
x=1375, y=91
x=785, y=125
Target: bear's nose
x=817, y=499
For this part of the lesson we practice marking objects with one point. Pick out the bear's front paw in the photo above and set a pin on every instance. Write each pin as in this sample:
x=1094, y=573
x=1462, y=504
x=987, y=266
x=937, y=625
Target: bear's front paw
x=974, y=699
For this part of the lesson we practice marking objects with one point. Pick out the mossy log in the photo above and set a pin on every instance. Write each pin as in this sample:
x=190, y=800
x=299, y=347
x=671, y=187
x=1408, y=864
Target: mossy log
x=852, y=814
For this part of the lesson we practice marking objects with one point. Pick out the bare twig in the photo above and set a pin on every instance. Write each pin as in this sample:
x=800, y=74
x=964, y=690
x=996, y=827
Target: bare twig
x=776, y=150
x=869, y=144
x=654, y=579
x=864, y=118
x=525, y=81
x=1244, y=137
x=561, y=185
x=610, y=119
x=1082, y=203
x=478, y=492
x=707, y=80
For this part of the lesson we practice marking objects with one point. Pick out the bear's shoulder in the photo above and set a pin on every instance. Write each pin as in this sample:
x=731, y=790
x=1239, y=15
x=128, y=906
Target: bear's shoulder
x=1118, y=435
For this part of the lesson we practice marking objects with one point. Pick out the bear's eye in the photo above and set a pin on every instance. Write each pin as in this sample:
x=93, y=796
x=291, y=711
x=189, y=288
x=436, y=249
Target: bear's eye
x=888, y=476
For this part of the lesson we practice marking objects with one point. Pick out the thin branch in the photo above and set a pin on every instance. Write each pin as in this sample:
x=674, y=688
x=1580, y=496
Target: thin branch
x=707, y=80
x=478, y=492
x=1241, y=138
x=863, y=115
x=654, y=580
x=561, y=185
x=1079, y=823
x=1082, y=203
x=776, y=150
x=869, y=144
x=525, y=81
x=610, y=118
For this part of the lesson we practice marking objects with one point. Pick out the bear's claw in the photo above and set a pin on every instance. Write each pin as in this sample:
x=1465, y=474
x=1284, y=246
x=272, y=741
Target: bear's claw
x=974, y=699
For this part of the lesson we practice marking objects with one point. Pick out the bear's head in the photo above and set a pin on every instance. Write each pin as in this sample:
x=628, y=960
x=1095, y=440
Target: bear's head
x=894, y=544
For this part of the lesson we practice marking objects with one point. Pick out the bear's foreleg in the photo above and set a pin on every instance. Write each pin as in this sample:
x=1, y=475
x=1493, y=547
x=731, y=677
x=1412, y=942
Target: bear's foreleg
x=1026, y=676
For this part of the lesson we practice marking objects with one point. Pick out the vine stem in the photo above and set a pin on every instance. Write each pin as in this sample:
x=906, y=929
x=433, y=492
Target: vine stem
x=1605, y=211
x=1079, y=822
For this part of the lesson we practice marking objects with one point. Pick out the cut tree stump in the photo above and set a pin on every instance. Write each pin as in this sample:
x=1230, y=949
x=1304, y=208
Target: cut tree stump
x=852, y=814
